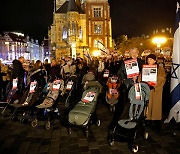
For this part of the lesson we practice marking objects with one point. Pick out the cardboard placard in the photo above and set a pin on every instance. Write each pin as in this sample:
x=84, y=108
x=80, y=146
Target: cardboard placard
x=149, y=74
x=132, y=68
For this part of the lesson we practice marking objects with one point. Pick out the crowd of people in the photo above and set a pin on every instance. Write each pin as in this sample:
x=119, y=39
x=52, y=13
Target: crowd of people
x=44, y=72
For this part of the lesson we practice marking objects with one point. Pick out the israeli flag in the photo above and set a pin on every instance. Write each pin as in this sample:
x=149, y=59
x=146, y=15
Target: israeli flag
x=175, y=73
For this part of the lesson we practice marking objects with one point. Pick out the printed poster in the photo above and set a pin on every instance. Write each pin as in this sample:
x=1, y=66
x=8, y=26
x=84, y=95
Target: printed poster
x=69, y=85
x=106, y=74
x=56, y=85
x=89, y=97
x=132, y=68
x=33, y=86
x=149, y=74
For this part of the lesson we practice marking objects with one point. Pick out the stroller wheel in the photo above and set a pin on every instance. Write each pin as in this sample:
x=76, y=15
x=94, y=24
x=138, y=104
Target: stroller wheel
x=98, y=123
x=48, y=125
x=111, y=142
x=146, y=135
x=14, y=118
x=135, y=148
x=34, y=123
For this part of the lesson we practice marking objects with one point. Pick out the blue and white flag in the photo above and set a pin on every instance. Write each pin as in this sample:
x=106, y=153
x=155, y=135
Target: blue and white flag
x=175, y=73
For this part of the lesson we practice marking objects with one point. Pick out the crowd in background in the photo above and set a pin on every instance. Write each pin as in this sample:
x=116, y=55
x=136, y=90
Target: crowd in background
x=65, y=67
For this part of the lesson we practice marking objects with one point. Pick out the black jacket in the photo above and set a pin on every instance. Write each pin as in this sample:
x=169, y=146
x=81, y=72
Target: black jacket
x=123, y=75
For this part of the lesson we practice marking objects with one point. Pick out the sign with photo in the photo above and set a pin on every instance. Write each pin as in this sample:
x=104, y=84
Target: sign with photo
x=113, y=91
x=132, y=68
x=149, y=74
x=33, y=86
x=89, y=97
x=106, y=74
x=69, y=85
x=56, y=85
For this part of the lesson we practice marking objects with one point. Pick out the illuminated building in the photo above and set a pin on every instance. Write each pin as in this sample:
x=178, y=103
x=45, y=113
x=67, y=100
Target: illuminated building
x=79, y=26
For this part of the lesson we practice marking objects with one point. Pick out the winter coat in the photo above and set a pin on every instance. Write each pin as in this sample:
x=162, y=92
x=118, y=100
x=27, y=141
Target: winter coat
x=154, y=111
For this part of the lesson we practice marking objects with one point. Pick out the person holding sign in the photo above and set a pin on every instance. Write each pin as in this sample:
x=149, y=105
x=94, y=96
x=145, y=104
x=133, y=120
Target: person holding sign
x=130, y=68
x=154, y=111
x=127, y=74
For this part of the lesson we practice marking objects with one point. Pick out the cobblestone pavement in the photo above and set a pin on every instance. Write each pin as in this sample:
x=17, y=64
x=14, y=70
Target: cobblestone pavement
x=23, y=138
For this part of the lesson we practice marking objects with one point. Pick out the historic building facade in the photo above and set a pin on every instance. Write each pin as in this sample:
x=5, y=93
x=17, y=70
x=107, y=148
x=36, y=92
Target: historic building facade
x=13, y=45
x=79, y=26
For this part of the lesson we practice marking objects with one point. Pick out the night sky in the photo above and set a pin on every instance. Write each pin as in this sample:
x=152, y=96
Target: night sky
x=131, y=17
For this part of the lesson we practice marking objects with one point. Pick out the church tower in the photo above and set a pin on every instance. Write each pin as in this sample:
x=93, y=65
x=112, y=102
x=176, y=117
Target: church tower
x=80, y=25
x=68, y=31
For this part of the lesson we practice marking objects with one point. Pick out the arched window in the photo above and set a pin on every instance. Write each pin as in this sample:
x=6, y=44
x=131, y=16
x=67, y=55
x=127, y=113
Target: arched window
x=64, y=33
x=74, y=28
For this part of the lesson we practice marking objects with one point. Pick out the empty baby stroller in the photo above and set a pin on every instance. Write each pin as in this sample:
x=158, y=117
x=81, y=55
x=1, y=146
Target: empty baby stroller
x=128, y=129
x=84, y=113
x=71, y=94
x=112, y=94
x=24, y=105
x=13, y=94
x=50, y=104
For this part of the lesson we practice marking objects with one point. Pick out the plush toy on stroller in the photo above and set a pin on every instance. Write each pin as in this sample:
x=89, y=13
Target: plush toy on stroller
x=50, y=104
x=84, y=113
x=128, y=129
x=112, y=94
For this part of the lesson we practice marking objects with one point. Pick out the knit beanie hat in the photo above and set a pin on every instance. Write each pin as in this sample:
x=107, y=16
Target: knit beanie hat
x=151, y=56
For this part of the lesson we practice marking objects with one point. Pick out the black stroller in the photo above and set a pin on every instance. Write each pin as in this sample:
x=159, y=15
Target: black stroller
x=71, y=91
x=128, y=129
x=23, y=108
x=13, y=94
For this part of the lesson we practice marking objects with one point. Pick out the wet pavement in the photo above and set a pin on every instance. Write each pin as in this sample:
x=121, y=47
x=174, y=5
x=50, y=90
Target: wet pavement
x=23, y=138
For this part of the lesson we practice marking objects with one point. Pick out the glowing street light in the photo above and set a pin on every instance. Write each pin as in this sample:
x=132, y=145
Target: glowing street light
x=159, y=41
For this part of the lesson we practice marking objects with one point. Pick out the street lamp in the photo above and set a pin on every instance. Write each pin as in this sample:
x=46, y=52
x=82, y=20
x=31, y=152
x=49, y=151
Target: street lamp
x=159, y=41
